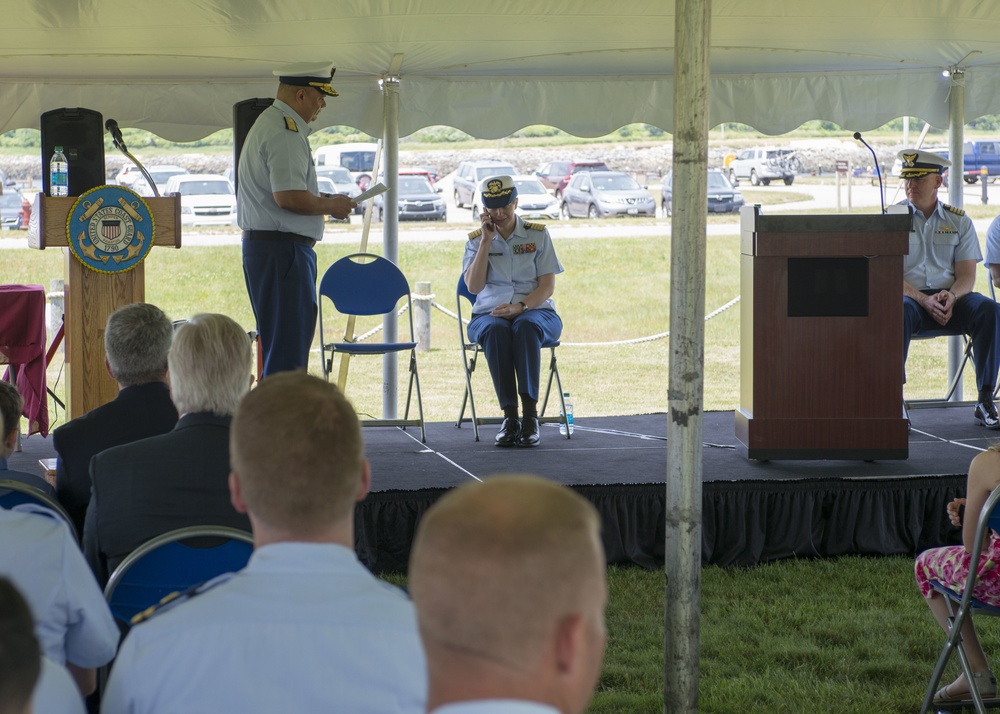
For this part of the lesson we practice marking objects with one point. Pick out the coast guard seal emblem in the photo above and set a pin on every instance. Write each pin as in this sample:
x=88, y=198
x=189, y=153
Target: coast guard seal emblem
x=110, y=229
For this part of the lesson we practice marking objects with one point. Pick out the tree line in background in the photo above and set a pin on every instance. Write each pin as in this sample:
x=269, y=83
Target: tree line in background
x=140, y=139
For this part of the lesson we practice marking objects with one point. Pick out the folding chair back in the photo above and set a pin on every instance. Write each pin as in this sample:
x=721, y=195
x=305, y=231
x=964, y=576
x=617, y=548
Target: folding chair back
x=966, y=604
x=15, y=493
x=373, y=287
x=370, y=288
x=470, y=356
x=171, y=563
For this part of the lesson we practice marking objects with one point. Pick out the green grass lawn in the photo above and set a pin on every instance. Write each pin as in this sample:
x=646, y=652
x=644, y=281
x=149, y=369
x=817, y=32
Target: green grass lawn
x=839, y=636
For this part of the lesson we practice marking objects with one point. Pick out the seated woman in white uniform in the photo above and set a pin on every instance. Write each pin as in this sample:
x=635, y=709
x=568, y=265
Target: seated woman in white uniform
x=511, y=266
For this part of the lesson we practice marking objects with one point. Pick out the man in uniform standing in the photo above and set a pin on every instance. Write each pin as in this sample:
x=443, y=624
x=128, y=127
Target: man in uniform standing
x=281, y=213
x=511, y=266
x=939, y=274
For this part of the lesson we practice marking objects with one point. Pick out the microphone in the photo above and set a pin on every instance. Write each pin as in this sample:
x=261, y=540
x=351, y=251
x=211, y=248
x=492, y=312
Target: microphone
x=116, y=135
x=881, y=188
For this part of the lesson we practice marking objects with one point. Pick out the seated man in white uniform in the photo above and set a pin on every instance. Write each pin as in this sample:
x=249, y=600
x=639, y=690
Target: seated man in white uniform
x=508, y=578
x=304, y=627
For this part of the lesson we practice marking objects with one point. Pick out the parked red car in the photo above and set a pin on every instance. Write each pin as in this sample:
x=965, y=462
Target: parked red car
x=556, y=174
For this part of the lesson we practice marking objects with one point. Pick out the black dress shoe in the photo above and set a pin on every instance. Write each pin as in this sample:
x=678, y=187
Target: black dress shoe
x=529, y=432
x=986, y=414
x=509, y=431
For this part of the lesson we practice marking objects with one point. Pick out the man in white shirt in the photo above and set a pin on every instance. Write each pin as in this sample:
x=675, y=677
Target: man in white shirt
x=939, y=274
x=304, y=627
x=508, y=578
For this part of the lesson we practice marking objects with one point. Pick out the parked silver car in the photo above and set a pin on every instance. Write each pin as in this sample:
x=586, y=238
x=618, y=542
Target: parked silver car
x=763, y=165
x=599, y=194
x=10, y=209
x=343, y=183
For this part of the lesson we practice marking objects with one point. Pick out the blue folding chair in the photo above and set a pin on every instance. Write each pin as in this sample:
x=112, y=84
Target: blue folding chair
x=15, y=493
x=373, y=287
x=967, y=606
x=171, y=563
x=470, y=355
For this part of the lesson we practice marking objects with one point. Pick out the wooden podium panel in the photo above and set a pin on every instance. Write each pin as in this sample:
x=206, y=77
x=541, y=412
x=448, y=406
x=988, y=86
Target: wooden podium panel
x=91, y=296
x=821, y=347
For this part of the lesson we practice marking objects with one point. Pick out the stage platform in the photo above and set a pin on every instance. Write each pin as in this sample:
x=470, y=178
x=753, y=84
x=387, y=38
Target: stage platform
x=752, y=511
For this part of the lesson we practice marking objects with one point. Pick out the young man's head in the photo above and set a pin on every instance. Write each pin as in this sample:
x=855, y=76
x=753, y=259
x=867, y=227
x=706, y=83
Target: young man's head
x=11, y=405
x=136, y=342
x=297, y=457
x=20, y=656
x=508, y=578
x=210, y=365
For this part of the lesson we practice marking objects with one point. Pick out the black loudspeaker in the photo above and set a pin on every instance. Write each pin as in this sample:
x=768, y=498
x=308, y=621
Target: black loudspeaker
x=245, y=113
x=80, y=132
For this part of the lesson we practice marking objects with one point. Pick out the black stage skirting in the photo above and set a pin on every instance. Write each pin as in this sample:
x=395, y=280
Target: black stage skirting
x=753, y=512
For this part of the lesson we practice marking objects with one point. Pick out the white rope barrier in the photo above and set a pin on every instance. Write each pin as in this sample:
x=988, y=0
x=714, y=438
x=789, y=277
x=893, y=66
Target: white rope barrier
x=635, y=341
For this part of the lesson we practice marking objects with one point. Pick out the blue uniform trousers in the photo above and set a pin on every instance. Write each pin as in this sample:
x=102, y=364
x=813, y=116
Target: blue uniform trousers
x=281, y=281
x=513, y=348
x=976, y=316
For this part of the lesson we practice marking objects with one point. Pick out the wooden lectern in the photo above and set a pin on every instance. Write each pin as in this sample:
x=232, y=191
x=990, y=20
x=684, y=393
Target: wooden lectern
x=91, y=296
x=821, y=343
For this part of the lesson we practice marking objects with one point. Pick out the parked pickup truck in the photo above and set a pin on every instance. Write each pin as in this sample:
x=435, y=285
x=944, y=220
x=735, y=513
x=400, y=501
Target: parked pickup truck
x=761, y=166
x=980, y=155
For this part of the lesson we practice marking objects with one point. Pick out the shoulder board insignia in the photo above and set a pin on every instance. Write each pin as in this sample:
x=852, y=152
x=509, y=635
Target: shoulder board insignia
x=476, y=233
x=176, y=598
x=956, y=211
x=534, y=226
x=290, y=124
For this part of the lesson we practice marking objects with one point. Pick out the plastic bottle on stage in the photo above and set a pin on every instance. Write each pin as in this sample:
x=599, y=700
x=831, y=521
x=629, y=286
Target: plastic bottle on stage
x=58, y=174
x=569, y=415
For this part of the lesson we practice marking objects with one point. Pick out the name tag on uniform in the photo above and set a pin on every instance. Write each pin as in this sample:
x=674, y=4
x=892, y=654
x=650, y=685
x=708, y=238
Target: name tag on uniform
x=525, y=248
x=497, y=254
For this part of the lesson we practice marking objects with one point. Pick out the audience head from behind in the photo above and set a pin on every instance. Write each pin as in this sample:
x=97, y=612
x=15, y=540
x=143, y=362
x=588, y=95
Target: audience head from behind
x=11, y=405
x=136, y=342
x=209, y=365
x=20, y=656
x=508, y=579
x=298, y=464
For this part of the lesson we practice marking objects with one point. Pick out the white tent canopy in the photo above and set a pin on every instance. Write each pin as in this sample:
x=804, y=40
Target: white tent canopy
x=176, y=68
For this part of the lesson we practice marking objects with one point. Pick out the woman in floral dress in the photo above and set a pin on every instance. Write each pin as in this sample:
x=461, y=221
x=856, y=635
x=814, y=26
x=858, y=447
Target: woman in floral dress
x=950, y=566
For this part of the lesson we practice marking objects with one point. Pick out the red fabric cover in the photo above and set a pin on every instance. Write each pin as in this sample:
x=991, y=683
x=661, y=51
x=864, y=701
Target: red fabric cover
x=22, y=345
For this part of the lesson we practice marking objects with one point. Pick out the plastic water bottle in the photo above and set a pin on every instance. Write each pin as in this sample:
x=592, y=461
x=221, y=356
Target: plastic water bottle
x=58, y=174
x=569, y=415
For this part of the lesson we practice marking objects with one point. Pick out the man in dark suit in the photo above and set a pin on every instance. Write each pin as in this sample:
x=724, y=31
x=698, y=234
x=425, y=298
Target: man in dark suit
x=181, y=478
x=136, y=343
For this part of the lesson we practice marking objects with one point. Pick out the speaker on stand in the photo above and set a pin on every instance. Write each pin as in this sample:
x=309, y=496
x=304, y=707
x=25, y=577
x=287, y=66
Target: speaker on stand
x=245, y=113
x=80, y=132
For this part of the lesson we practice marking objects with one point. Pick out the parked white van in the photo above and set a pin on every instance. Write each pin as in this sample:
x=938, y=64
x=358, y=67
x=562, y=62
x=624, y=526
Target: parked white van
x=357, y=158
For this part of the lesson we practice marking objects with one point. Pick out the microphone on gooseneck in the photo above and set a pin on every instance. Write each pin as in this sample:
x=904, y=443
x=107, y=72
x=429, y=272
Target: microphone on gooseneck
x=116, y=135
x=881, y=188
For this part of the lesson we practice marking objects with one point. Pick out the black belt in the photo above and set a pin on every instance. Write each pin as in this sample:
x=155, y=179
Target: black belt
x=278, y=235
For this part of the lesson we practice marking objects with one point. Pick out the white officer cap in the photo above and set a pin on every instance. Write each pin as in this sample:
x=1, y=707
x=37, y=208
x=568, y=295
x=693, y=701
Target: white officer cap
x=308, y=74
x=918, y=163
x=499, y=191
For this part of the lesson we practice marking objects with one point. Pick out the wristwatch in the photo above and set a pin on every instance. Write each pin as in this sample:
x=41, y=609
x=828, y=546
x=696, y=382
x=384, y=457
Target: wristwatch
x=524, y=306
